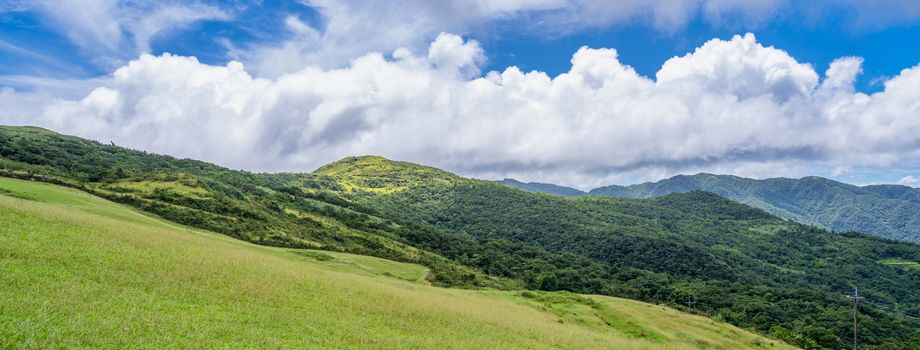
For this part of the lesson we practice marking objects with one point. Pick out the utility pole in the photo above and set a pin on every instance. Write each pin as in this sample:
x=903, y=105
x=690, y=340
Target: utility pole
x=855, y=297
x=690, y=303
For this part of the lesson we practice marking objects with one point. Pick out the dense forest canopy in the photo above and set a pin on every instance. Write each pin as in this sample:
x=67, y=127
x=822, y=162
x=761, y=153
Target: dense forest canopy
x=737, y=263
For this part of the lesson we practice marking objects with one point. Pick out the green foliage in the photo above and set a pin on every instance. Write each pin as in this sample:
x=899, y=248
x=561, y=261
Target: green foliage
x=889, y=211
x=794, y=338
x=738, y=263
x=282, y=210
x=80, y=272
x=906, y=264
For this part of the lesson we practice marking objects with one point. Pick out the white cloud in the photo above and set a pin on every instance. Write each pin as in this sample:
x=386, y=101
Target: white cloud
x=741, y=68
x=351, y=28
x=910, y=180
x=731, y=106
x=450, y=52
x=164, y=18
x=110, y=31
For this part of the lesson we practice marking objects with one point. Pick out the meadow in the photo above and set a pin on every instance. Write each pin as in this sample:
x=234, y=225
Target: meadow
x=80, y=272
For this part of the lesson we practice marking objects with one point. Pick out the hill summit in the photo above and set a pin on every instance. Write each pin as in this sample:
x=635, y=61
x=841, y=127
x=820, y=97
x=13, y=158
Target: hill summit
x=380, y=175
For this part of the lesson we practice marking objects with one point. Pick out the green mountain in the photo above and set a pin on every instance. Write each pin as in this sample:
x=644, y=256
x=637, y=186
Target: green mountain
x=83, y=272
x=284, y=210
x=888, y=211
x=734, y=262
x=542, y=188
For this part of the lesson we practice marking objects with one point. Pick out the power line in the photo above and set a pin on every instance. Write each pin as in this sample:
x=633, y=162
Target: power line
x=855, y=297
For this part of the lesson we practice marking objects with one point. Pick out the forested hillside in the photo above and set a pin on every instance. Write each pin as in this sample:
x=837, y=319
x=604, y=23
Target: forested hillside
x=734, y=262
x=288, y=210
x=889, y=211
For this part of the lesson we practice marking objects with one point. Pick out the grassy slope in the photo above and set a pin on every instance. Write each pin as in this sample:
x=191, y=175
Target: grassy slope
x=79, y=271
x=907, y=264
x=289, y=210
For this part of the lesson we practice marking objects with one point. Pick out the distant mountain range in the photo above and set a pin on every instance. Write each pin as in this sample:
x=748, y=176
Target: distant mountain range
x=542, y=187
x=890, y=211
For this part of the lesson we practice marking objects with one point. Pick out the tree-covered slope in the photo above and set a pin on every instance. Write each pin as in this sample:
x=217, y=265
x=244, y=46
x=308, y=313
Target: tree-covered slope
x=738, y=263
x=889, y=211
x=81, y=272
x=542, y=187
x=287, y=210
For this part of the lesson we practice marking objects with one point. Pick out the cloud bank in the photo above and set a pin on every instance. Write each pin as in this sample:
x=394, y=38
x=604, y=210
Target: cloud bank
x=731, y=106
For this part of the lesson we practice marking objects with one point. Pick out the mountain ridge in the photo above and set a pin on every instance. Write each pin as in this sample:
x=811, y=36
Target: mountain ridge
x=542, y=187
x=890, y=211
x=739, y=263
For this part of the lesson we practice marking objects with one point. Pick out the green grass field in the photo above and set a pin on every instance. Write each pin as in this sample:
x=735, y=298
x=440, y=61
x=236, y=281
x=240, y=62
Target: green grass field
x=80, y=272
x=907, y=264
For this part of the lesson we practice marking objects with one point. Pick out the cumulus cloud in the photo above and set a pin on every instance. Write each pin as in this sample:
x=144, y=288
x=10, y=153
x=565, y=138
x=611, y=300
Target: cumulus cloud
x=910, y=180
x=450, y=52
x=730, y=106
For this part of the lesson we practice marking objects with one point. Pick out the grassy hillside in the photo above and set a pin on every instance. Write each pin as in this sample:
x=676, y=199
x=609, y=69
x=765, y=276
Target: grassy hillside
x=285, y=210
x=888, y=211
x=81, y=272
x=739, y=264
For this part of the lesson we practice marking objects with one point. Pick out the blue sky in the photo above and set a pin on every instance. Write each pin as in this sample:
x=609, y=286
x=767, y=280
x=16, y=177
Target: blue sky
x=63, y=50
x=886, y=48
x=886, y=51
